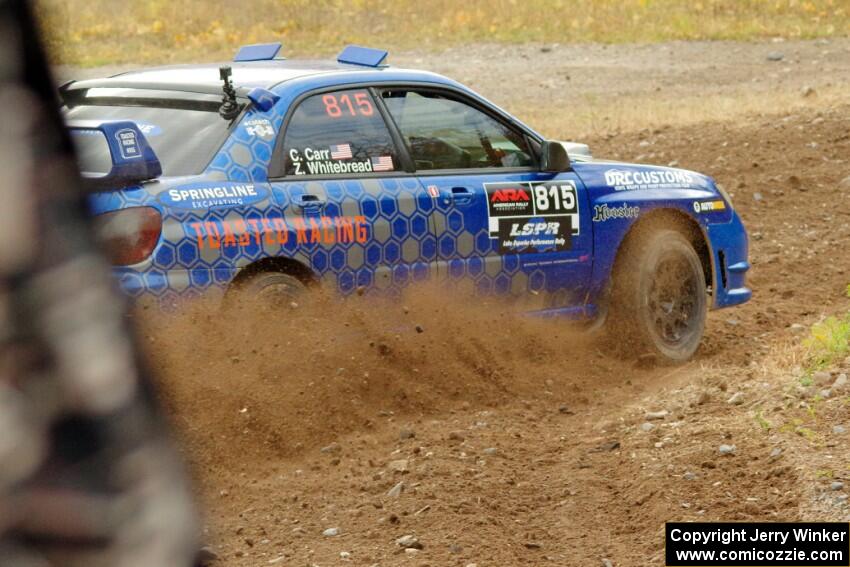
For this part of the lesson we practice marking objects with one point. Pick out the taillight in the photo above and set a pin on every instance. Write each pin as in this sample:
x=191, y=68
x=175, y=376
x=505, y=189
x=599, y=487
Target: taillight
x=129, y=235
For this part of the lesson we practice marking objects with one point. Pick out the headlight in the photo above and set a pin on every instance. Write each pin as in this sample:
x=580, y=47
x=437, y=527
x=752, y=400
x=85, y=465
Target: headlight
x=129, y=235
x=725, y=194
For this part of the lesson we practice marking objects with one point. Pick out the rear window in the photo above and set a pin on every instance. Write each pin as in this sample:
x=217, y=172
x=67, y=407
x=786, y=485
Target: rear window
x=184, y=140
x=338, y=133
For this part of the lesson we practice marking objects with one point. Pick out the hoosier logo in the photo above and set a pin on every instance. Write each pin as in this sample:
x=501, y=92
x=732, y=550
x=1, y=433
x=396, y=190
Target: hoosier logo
x=602, y=213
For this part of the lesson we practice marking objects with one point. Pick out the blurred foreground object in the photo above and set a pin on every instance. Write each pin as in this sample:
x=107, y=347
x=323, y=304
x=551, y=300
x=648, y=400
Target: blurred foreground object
x=87, y=472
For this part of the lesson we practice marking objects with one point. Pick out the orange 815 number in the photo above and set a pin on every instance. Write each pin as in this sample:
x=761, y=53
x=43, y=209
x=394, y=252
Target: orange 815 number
x=336, y=106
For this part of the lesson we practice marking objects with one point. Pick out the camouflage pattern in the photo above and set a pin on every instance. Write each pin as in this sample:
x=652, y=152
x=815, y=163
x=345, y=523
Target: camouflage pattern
x=88, y=475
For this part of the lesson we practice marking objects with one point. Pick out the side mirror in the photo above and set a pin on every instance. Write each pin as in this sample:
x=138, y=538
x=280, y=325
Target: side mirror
x=131, y=158
x=554, y=158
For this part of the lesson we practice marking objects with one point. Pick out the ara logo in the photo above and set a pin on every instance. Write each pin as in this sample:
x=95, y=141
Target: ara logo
x=213, y=195
x=509, y=196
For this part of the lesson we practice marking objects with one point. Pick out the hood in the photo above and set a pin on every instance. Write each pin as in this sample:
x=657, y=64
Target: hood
x=577, y=151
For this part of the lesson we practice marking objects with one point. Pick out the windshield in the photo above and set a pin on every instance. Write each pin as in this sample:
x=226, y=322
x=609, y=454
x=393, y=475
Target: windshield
x=184, y=140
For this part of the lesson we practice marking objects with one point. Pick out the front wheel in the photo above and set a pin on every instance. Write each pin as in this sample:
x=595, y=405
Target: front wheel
x=659, y=296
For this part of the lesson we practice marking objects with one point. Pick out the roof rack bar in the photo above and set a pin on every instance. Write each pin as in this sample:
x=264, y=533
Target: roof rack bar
x=364, y=56
x=258, y=52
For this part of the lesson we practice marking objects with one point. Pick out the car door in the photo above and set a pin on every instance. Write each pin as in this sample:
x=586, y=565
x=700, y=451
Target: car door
x=357, y=218
x=501, y=224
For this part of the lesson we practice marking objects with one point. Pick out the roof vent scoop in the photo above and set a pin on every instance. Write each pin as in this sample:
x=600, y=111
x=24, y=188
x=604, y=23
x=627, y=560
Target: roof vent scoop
x=257, y=52
x=263, y=99
x=364, y=56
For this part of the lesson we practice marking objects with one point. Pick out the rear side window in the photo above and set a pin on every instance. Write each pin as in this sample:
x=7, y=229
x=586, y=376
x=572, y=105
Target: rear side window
x=446, y=133
x=338, y=133
x=184, y=140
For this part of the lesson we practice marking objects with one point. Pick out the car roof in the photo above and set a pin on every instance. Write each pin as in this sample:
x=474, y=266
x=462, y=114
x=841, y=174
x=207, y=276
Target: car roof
x=203, y=80
x=265, y=74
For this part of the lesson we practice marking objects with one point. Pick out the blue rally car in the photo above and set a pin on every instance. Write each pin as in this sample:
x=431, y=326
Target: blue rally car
x=269, y=177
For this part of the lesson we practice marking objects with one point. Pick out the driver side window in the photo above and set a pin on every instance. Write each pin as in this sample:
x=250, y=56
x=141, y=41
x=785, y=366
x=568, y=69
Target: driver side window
x=446, y=133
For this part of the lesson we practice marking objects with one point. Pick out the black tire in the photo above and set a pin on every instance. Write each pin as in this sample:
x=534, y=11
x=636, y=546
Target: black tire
x=659, y=300
x=272, y=290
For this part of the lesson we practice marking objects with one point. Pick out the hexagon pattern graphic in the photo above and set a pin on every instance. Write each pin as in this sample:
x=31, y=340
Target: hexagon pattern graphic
x=408, y=236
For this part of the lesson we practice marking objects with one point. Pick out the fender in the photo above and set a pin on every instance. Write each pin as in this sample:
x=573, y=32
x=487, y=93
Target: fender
x=621, y=194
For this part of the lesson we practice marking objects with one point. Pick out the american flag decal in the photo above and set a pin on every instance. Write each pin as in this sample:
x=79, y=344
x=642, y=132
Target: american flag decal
x=341, y=151
x=383, y=163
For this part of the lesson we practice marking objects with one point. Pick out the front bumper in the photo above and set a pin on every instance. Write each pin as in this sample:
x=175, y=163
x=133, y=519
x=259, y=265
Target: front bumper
x=729, y=249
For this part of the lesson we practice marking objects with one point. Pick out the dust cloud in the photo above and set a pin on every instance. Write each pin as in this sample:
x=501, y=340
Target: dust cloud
x=251, y=383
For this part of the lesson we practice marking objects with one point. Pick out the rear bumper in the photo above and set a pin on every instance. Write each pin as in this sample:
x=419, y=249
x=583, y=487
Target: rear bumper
x=729, y=249
x=169, y=288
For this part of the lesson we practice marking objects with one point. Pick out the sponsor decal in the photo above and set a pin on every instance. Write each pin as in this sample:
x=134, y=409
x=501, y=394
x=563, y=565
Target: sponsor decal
x=240, y=233
x=210, y=196
x=536, y=234
x=534, y=228
x=433, y=191
x=709, y=206
x=149, y=129
x=633, y=180
x=260, y=127
x=511, y=200
x=602, y=213
x=532, y=216
x=128, y=143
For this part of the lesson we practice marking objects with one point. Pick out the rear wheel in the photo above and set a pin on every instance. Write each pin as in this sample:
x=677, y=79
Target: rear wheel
x=659, y=296
x=272, y=290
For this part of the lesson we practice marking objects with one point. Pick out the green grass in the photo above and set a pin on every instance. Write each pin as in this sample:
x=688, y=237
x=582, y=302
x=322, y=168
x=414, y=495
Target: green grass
x=798, y=427
x=828, y=342
x=94, y=32
x=762, y=421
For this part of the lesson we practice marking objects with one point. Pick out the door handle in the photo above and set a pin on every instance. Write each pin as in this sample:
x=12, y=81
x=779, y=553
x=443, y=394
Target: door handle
x=461, y=195
x=308, y=201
